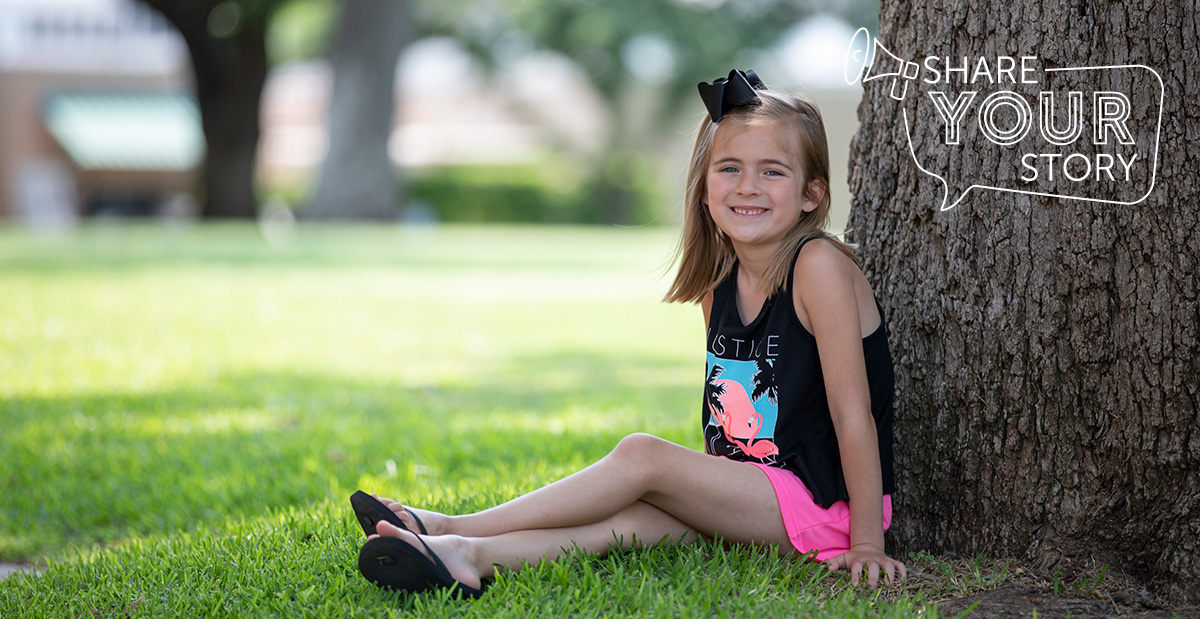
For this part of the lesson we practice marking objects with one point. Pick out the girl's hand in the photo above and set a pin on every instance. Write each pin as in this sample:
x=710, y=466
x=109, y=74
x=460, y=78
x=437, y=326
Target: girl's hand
x=873, y=560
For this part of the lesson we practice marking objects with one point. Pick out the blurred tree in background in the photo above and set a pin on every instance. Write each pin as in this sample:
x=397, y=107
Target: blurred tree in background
x=356, y=180
x=226, y=40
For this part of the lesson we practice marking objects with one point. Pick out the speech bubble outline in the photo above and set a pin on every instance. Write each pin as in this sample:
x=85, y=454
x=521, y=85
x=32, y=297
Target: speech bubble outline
x=963, y=194
x=945, y=206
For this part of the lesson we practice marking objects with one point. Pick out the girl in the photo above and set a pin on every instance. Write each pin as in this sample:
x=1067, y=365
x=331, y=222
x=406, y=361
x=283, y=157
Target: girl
x=797, y=410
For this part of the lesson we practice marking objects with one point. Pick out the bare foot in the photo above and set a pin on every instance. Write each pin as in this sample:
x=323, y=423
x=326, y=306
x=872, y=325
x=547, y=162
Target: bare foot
x=457, y=553
x=435, y=523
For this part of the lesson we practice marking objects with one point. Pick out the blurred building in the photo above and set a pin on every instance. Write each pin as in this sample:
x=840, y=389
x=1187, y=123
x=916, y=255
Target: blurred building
x=96, y=114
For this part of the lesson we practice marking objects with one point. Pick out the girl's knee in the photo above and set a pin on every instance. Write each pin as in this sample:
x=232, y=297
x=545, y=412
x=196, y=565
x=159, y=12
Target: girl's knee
x=638, y=448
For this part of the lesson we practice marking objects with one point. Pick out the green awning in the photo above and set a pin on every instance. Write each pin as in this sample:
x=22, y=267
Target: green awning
x=158, y=132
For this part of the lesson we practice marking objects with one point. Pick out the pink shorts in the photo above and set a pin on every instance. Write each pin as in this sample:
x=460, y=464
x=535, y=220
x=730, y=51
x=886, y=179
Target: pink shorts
x=810, y=526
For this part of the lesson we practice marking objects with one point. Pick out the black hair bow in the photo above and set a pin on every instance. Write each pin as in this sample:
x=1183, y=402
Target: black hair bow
x=727, y=93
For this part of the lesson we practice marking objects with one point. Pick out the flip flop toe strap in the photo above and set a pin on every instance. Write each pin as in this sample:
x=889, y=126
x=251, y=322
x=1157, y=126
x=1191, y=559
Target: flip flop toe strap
x=420, y=525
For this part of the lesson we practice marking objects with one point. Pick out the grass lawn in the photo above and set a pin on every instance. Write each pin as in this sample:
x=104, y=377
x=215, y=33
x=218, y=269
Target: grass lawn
x=186, y=410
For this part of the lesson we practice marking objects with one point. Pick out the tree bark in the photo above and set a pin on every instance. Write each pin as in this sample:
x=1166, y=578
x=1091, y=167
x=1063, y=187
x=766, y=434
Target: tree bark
x=1047, y=349
x=230, y=72
x=357, y=179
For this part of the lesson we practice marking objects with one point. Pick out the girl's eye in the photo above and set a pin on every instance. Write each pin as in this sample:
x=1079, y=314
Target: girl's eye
x=728, y=168
x=773, y=173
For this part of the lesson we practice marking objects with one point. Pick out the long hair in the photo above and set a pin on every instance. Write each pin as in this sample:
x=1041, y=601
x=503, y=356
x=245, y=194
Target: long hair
x=705, y=254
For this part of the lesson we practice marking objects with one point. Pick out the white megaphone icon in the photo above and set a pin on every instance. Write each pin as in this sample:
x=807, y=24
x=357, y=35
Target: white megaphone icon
x=878, y=65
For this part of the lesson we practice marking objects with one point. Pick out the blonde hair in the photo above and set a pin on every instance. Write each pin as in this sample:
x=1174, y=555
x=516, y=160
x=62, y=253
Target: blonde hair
x=704, y=254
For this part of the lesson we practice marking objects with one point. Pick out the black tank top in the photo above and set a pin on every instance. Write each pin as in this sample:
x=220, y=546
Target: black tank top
x=765, y=399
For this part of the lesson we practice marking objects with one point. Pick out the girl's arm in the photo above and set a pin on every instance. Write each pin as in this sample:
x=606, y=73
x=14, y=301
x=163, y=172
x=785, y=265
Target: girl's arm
x=828, y=298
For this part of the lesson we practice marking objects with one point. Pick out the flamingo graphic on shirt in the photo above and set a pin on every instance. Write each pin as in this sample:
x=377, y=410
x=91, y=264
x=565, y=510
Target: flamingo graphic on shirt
x=733, y=411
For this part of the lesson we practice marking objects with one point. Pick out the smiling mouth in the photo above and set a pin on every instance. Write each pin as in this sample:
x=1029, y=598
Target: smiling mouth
x=748, y=210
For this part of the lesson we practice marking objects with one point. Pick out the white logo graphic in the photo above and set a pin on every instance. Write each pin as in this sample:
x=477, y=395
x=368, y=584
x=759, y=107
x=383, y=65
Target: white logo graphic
x=1076, y=132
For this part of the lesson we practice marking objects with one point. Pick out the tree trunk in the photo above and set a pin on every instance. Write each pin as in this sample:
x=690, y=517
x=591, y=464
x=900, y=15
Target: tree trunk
x=230, y=72
x=1047, y=349
x=357, y=180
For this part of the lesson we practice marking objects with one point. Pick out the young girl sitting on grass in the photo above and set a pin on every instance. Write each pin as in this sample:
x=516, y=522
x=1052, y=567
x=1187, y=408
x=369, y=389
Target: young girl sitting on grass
x=797, y=410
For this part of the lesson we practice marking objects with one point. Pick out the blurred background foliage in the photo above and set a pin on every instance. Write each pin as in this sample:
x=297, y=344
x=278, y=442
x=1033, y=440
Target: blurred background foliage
x=592, y=102
x=642, y=57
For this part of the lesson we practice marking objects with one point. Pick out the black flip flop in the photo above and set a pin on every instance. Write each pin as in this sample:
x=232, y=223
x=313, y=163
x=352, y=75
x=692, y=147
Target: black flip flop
x=393, y=564
x=370, y=511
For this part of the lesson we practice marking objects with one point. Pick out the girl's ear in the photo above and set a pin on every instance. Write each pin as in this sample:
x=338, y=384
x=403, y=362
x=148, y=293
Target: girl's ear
x=814, y=194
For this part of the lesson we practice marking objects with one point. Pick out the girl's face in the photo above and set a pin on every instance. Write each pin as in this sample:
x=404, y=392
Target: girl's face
x=754, y=187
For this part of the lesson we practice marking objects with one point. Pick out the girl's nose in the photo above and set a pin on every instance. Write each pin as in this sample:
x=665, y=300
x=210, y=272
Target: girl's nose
x=747, y=185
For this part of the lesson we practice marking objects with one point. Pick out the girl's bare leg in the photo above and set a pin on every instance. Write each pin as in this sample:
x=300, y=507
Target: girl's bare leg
x=711, y=495
x=470, y=559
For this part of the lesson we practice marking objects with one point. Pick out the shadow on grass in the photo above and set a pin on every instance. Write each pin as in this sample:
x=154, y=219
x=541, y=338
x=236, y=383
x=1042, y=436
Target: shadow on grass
x=96, y=469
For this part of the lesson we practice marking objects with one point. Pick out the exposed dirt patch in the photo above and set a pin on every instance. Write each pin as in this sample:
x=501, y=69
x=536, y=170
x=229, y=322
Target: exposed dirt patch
x=8, y=569
x=1004, y=589
x=1014, y=600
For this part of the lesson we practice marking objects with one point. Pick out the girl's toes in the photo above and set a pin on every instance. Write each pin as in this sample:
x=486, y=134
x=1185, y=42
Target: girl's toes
x=387, y=529
x=407, y=519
